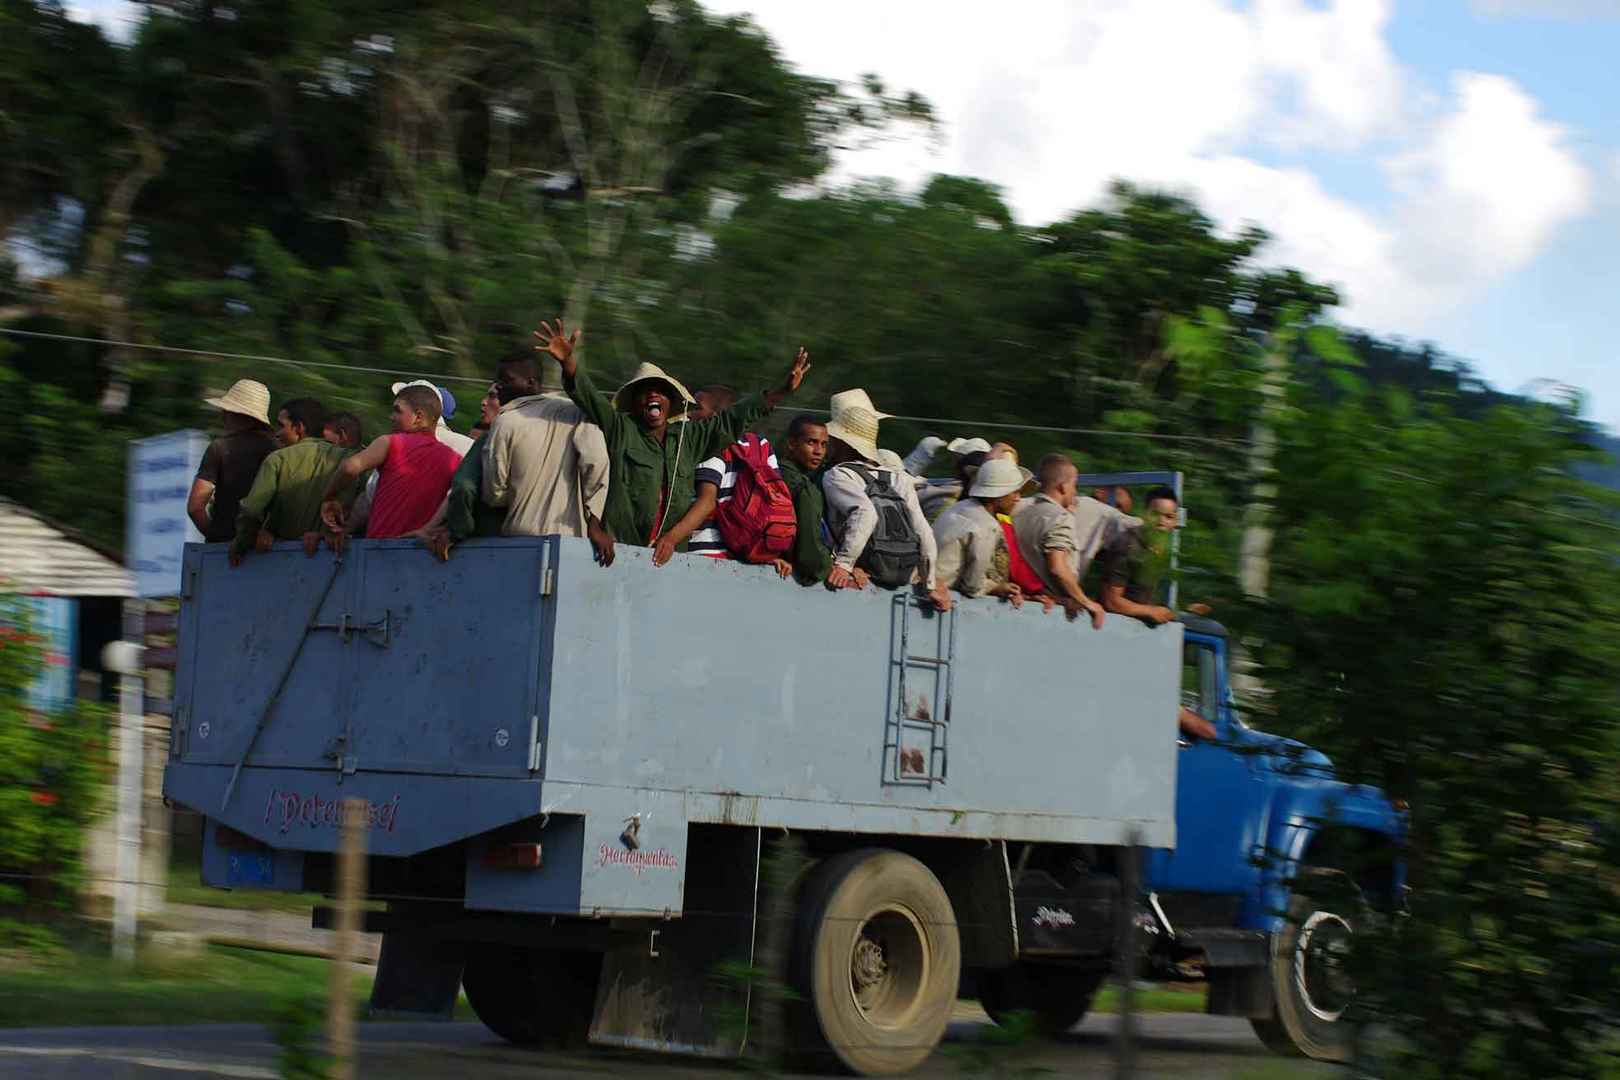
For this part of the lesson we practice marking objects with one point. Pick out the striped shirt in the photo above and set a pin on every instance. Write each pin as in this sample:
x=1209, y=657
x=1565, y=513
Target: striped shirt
x=721, y=471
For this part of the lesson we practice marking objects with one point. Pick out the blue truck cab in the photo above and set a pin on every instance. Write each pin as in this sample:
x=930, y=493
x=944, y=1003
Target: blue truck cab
x=1276, y=860
x=588, y=794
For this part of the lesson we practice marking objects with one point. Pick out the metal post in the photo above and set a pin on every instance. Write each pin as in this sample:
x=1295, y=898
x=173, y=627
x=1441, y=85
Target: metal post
x=123, y=657
x=1130, y=888
x=351, y=886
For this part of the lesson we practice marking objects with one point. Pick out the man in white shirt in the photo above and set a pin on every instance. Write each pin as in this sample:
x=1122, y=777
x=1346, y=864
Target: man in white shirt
x=872, y=509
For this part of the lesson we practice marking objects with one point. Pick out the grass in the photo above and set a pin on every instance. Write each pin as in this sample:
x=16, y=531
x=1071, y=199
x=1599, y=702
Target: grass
x=1158, y=999
x=223, y=984
x=186, y=887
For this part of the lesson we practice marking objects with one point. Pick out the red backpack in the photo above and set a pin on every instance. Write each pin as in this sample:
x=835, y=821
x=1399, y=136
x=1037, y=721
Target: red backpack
x=758, y=523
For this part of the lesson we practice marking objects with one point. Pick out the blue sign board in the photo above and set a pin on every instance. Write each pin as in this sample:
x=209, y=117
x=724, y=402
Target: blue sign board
x=160, y=473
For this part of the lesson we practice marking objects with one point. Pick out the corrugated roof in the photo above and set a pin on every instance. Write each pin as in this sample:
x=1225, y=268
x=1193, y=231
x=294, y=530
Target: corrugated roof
x=39, y=557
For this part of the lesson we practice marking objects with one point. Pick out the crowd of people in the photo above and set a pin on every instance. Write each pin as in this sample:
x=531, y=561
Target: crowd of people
x=654, y=465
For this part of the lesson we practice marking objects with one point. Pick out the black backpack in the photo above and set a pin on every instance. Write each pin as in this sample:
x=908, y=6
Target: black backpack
x=893, y=552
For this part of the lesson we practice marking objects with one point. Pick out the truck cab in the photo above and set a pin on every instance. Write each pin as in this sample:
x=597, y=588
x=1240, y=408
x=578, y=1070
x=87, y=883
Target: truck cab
x=1276, y=861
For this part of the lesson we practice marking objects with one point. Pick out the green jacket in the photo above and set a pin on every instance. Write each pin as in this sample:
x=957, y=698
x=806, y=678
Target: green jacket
x=811, y=557
x=641, y=468
x=468, y=515
x=286, y=493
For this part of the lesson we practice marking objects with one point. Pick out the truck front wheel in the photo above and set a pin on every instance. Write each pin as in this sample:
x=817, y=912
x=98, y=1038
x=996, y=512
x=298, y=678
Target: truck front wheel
x=877, y=961
x=532, y=996
x=1056, y=998
x=1309, y=975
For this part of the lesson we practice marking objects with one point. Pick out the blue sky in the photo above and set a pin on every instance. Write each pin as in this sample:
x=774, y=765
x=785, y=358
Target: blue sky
x=1452, y=165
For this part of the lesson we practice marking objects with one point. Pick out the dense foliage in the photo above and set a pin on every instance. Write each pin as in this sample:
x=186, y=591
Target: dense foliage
x=49, y=785
x=370, y=186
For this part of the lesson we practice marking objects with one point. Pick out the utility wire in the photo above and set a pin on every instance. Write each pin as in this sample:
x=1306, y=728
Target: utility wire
x=944, y=421
x=441, y=377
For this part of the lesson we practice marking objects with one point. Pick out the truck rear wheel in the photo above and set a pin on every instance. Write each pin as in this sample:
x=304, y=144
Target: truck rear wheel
x=1309, y=975
x=877, y=961
x=532, y=996
x=1056, y=998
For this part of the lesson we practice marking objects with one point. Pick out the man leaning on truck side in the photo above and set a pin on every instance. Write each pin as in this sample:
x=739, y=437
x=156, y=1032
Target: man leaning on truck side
x=1045, y=526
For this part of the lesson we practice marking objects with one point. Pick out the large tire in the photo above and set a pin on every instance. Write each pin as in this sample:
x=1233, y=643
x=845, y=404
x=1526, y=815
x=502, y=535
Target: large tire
x=876, y=962
x=1056, y=998
x=532, y=997
x=1310, y=985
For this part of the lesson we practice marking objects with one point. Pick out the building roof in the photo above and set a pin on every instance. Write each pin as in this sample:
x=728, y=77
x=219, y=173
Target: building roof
x=42, y=558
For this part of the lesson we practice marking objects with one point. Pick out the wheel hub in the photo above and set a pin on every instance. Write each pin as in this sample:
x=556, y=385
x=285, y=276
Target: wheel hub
x=1320, y=965
x=868, y=966
x=888, y=967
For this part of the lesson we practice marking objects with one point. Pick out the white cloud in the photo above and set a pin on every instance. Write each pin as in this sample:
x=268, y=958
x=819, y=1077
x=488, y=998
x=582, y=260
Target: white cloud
x=1058, y=98
x=115, y=17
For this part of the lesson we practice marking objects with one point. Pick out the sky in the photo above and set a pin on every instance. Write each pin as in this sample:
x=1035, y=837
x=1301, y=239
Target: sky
x=1452, y=166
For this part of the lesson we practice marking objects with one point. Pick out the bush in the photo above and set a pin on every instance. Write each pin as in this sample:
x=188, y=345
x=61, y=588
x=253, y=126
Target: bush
x=51, y=770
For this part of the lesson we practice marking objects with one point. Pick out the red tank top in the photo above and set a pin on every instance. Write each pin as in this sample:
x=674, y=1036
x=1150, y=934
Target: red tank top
x=1019, y=571
x=411, y=484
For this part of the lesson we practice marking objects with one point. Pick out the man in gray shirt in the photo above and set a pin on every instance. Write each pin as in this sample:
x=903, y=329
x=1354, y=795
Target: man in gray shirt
x=1049, y=537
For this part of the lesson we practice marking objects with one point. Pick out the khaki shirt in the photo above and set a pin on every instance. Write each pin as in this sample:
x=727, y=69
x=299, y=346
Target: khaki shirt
x=967, y=536
x=1042, y=525
x=546, y=465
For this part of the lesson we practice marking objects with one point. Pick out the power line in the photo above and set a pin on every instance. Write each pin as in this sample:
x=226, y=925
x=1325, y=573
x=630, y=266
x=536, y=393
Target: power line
x=242, y=356
x=442, y=377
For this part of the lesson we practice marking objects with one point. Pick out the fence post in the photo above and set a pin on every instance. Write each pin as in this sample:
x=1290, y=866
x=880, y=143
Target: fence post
x=1130, y=887
x=124, y=657
x=351, y=886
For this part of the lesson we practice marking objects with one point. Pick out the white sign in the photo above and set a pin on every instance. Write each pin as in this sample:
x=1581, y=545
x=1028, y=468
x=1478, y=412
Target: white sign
x=160, y=473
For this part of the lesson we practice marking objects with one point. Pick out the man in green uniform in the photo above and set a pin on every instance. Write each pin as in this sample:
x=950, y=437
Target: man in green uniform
x=653, y=462
x=284, y=502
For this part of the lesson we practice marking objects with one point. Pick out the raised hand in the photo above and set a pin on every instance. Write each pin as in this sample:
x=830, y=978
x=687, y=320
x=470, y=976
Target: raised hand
x=797, y=372
x=557, y=342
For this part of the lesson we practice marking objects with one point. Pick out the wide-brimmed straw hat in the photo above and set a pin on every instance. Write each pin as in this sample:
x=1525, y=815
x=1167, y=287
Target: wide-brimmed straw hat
x=653, y=373
x=855, y=421
x=246, y=397
x=855, y=399
x=998, y=477
x=964, y=447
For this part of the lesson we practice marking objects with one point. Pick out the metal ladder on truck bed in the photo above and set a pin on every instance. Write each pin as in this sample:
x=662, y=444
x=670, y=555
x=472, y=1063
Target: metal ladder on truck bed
x=916, y=750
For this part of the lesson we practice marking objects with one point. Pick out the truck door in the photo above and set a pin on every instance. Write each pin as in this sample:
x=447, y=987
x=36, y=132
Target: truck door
x=1220, y=796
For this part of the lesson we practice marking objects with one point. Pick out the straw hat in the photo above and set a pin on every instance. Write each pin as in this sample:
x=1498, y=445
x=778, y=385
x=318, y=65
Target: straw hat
x=647, y=372
x=964, y=447
x=855, y=399
x=855, y=421
x=998, y=477
x=249, y=398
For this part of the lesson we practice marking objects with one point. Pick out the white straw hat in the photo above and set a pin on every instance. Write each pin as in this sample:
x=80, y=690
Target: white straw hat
x=246, y=397
x=645, y=372
x=964, y=447
x=855, y=421
x=855, y=399
x=1000, y=476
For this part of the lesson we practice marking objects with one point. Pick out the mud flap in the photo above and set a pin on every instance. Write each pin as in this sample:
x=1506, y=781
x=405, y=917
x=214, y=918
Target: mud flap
x=418, y=977
x=684, y=988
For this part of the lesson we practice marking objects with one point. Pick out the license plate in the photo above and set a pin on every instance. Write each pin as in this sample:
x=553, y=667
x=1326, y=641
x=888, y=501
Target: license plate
x=250, y=868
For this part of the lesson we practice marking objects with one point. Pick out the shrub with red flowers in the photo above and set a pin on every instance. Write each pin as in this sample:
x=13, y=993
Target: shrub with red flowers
x=51, y=771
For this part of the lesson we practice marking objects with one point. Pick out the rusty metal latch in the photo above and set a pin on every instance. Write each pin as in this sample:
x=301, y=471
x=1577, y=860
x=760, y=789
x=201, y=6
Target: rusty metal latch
x=379, y=632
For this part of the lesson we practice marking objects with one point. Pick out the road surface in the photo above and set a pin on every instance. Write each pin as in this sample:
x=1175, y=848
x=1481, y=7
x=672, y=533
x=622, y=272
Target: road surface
x=1170, y=1045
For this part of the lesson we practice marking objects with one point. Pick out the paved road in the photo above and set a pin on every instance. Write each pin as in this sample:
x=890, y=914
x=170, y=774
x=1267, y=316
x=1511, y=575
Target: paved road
x=1171, y=1045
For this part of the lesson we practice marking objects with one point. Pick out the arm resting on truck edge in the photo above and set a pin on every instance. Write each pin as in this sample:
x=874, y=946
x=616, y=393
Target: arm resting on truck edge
x=702, y=509
x=1071, y=595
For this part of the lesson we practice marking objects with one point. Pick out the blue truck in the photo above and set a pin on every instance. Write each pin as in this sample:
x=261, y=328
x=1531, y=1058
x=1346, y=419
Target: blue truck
x=606, y=803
